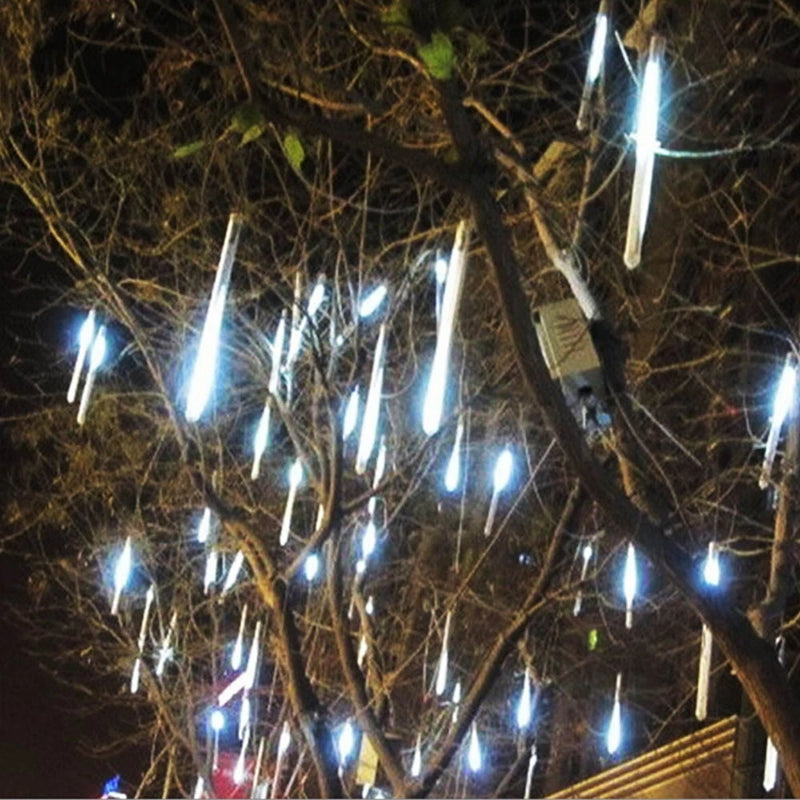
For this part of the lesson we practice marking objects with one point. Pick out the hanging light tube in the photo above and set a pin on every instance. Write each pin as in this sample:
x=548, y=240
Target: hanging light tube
x=369, y=425
x=503, y=469
x=784, y=400
x=437, y=382
x=165, y=652
x=85, y=338
x=703, y=674
x=630, y=584
x=233, y=572
x=261, y=438
x=295, y=477
x=646, y=145
x=122, y=572
x=205, y=365
x=594, y=65
x=96, y=356
x=614, y=736
x=441, y=670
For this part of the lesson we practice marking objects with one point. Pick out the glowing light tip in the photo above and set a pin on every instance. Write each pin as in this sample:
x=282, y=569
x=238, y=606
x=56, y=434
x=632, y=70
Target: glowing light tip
x=440, y=269
x=614, y=737
x=372, y=301
x=351, y=414
x=587, y=552
x=598, y=46
x=346, y=741
x=317, y=298
x=285, y=740
x=524, y=707
x=311, y=567
x=711, y=570
x=217, y=720
x=474, y=756
x=296, y=474
x=502, y=470
x=123, y=569
x=204, y=528
x=784, y=396
x=98, y=349
x=631, y=576
x=87, y=331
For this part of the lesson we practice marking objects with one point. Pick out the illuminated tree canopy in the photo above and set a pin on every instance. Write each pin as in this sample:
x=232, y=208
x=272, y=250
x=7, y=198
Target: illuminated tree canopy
x=419, y=323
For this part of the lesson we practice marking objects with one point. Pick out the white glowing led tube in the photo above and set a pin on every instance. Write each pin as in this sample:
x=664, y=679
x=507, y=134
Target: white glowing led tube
x=96, y=356
x=84, y=342
x=437, y=382
x=369, y=425
x=784, y=398
x=474, y=755
x=295, y=476
x=122, y=572
x=594, y=65
x=233, y=572
x=646, y=145
x=205, y=366
x=614, y=736
x=165, y=652
x=524, y=706
x=441, y=670
x=703, y=674
x=630, y=584
x=261, y=438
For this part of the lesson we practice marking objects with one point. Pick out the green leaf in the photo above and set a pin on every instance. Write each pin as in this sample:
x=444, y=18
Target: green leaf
x=439, y=56
x=246, y=117
x=251, y=134
x=293, y=147
x=396, y=14
x=186, y=150
x=593, y=637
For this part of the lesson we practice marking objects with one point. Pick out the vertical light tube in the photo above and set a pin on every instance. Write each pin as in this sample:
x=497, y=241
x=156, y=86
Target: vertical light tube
x=416, y=761
x=586, y=553
x=210, y=575
x=531, y=767
x=630, y=584
x=784, y=399
x=474, y=755
x=369, y=425
x=137, y=664
x=84, y=342
x=233, y=572
x=261, y=438
x=205, y=365
x=703, y=674
x=614, y=737
x=646, y=144
x=204, y=528
x=437, y=382
x=594, y=65
x=524, y=706
x=165, y=653
x=122, y=572
x=441, y=670
x=96, y=357
x=295, y=476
